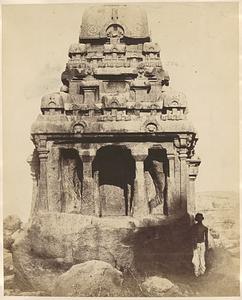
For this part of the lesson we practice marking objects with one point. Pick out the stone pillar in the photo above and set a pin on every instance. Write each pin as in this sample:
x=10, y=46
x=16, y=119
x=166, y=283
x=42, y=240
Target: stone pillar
x=140, y=198
x=193, y=171
x=54, y=180
x=171, y=190
x=43, y=193
x=191, y=203
x=177, y=181
x=147, y=183
x=88, y=201
x=97, y=200
x=183, y=178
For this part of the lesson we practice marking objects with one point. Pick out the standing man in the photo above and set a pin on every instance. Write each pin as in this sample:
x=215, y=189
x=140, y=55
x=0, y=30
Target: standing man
x=200, y=245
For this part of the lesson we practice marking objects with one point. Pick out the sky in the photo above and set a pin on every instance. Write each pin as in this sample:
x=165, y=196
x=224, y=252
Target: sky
x=199, y=49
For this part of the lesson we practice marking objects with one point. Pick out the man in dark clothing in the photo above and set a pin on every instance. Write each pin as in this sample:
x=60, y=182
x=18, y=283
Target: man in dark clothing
x=200, y=245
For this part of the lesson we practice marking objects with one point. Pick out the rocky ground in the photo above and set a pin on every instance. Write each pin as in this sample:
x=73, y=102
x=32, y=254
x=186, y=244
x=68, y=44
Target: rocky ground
x=155, y=276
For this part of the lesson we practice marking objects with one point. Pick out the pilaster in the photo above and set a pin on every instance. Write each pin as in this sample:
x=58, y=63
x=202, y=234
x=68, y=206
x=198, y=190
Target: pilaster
x=43, y=152
x=183, y=178
x=54, y=184
x=171, y=189
x=193, y=165
x=88, y=193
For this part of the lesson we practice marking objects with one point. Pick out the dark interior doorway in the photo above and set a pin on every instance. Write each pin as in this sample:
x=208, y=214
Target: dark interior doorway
x=116, y=168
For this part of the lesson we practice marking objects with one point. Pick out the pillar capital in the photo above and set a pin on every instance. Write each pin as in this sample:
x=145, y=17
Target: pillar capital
x=182, y=153
x=43, y=153
x=139, y=153
x=40, y=141
x=193, y=165
x=193, y=172
x=170, y=156
x=87, y=155
x=41, y=147
x=194, y=162
x=87, y=152
x=139, y=157
x=181, y=141
x=192, y=177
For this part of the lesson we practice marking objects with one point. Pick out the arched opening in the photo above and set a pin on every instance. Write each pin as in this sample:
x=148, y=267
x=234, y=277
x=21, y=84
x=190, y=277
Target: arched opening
x=116, y=169
x=157, y=167
x=72, y=180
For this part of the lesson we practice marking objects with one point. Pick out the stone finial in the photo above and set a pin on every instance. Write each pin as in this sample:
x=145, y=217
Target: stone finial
x=77, y=49
x=150, y=47
x=64, y=89
x=173, y=98
x=97, y=21
x=52, y=102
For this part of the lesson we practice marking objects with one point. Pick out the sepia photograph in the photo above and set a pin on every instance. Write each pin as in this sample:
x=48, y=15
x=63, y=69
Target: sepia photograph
x=121, y=149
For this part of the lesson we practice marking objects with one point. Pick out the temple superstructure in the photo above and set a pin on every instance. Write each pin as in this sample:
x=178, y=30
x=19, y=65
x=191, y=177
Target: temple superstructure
x=115, y=141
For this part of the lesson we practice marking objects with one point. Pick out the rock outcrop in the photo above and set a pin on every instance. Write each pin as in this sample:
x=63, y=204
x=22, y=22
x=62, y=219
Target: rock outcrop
x=8, y=262
x=157, y=286
x=54, y=242
x=90, y=279
x=43, y=251
x=11, y=225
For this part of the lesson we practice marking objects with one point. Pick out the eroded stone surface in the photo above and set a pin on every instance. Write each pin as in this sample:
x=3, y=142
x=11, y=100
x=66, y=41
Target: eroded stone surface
x=8, y=262
x=32, y=272
x=12, y=223
x=53, y=243
x=90, y=279
x=157, y=286
x=8, y=281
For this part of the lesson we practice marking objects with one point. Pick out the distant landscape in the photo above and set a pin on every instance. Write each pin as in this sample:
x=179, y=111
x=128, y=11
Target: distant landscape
x=220, y=209
x=217, y=199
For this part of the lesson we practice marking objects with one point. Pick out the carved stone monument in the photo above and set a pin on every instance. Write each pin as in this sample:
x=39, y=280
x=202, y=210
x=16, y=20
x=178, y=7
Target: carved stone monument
x=115, y=141
x=114, y=150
